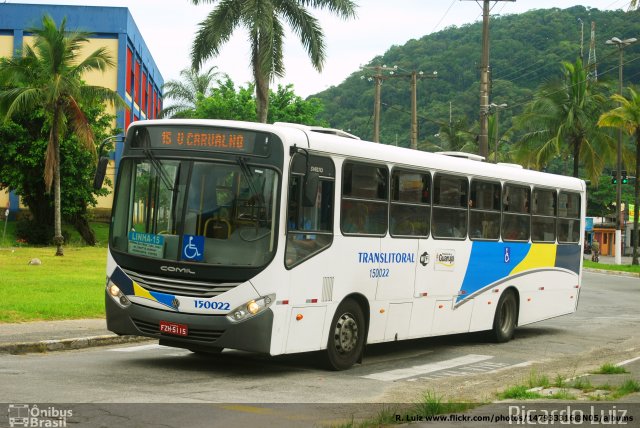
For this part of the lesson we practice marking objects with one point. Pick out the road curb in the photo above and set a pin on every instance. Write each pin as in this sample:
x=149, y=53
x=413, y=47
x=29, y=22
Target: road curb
x=67, y=344
x=612, y=272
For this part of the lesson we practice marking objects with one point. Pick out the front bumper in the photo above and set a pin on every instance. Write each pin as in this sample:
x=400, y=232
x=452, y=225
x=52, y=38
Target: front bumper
x=205, y=331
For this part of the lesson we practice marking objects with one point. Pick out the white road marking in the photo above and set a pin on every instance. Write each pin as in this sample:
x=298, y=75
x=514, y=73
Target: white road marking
x=397, y=374
x=624, y=363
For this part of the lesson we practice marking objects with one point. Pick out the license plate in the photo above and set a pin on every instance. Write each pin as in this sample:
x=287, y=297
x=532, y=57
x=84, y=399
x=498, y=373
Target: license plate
x=173, y=328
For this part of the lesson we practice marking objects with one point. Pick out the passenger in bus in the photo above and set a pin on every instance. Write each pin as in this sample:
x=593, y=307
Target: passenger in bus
x=354, y=218
x=299, y=245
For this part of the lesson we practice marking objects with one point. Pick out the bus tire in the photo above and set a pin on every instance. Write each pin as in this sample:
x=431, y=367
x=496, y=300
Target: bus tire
x=506, y=317
x=346, y=337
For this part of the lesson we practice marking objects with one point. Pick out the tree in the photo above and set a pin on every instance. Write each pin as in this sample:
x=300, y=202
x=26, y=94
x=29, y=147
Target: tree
x=562, y=121
x=48, y=76
x=286, y=106
x=455, y=137
x=627, y=118
x=264, y=21
x=228, y=102
x=24, y=142
x=185, y=92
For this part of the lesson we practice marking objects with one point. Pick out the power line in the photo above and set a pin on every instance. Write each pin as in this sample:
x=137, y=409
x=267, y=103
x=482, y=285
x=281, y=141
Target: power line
x=518, y=104
x=444, y=16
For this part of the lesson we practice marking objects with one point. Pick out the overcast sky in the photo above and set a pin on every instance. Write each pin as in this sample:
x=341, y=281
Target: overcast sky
x=168, y=27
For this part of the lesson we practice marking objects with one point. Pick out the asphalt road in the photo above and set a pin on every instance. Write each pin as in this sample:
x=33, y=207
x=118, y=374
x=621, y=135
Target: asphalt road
x=461, y=367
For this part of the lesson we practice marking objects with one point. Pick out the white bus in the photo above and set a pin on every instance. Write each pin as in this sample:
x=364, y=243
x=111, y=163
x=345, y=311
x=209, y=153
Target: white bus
x=286, y=238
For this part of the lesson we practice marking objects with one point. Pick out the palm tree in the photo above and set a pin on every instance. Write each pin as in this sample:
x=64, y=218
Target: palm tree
x=627, y=118
x=562, y=121
x=455, y=137
x=264, y=21
x=48, y=76
x=186, y=91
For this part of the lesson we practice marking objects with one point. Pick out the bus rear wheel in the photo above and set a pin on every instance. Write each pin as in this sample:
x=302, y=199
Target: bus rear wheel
x=506, y=317
x=346, y=337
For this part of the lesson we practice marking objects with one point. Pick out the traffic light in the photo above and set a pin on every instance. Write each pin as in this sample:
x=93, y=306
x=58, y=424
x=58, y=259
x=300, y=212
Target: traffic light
x=623, y=180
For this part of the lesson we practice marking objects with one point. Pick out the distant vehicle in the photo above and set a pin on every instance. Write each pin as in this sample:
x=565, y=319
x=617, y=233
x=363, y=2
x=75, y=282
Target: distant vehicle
x=284, y=238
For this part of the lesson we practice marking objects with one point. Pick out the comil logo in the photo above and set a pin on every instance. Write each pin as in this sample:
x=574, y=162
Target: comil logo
x=25, y=415
x=445, y=260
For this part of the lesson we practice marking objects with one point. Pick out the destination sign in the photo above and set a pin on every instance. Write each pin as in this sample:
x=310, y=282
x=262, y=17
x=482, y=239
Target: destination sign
x=226, y=140
x=200, y=138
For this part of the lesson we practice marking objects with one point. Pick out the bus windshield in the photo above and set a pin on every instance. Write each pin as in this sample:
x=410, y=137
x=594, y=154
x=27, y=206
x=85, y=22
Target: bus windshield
x=196, y=211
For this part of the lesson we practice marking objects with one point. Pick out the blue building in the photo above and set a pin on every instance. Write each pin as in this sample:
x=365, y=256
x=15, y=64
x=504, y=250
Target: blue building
x=136, y=77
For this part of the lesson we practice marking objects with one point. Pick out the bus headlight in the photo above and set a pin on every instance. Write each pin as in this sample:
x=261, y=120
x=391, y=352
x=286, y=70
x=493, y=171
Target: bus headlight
x=117, y=295
x=251, y=308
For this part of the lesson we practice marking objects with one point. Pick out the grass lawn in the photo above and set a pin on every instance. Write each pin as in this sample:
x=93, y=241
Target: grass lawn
x=604, y=266
x=65, y=287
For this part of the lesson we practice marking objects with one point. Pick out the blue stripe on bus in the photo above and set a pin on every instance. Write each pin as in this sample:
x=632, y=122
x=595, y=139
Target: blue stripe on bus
x=568, y=257
x=490, y=262
x=124, y=283
x=165, y=299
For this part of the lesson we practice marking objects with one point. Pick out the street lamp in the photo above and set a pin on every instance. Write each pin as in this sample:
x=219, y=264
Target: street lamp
x=620, y=44
x=496, y=108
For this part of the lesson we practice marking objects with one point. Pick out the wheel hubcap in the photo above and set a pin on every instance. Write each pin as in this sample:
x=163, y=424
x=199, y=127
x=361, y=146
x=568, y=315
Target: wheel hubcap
x=346, y=334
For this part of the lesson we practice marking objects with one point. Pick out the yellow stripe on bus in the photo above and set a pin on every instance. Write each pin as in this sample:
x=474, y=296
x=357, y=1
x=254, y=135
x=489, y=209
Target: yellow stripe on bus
x=539, y=256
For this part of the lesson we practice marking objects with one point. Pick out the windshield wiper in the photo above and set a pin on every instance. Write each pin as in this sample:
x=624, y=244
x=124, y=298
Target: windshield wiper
x=157, y=165
x=248, y=175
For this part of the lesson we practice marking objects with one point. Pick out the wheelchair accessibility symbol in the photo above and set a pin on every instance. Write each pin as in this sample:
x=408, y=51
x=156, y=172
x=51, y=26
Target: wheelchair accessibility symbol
x=507, y=254
x=193, y=247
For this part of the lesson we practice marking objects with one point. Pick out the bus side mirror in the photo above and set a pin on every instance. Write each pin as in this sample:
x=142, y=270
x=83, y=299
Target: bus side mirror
x=310, y=191
x=101, y=171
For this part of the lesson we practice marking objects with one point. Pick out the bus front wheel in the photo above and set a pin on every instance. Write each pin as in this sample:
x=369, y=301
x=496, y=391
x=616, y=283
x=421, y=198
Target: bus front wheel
x=346, y=337
x=506, y=317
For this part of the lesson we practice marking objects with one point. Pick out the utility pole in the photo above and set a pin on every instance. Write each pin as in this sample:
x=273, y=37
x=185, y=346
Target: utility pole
x=581, y=40
x=496, y=108
x=414, y=75
x=483, y=138
x=592, y=63
x=620, y=44
x=378, y=77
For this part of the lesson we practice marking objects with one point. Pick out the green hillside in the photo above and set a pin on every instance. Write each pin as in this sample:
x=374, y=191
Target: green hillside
x=526, y=50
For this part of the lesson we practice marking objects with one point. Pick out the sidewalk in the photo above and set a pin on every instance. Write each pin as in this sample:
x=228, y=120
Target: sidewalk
x=43, y=336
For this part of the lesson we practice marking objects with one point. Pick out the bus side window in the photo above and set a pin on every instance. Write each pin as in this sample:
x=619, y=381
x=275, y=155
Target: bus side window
x=484, y=210
x=543, y=215
x=568, y=217
x=364, y=203
x=450, y=206
x=410, y=204
x=516, y=220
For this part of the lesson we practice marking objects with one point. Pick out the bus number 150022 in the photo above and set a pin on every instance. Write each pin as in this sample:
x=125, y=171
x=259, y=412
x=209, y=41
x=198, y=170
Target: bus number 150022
x=206, y=304
x=378, y=273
